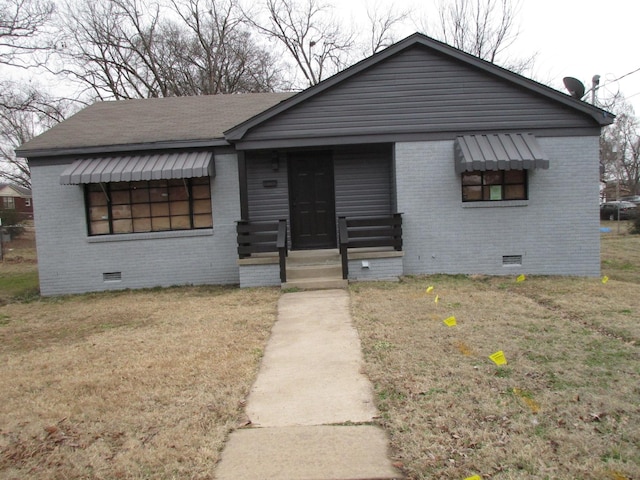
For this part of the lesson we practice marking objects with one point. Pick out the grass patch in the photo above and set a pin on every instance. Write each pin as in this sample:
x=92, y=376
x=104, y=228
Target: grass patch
x=19, y=270
x=143, y=384
x=564, y=405
x=18, y=286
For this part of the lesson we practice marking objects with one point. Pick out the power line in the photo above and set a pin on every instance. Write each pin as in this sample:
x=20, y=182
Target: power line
x=621, y=77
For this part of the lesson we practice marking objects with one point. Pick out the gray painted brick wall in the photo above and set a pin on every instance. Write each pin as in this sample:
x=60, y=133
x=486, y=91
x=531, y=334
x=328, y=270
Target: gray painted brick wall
x=69, y=261
x=556, y=231
x=259, y=275
x=379, y=269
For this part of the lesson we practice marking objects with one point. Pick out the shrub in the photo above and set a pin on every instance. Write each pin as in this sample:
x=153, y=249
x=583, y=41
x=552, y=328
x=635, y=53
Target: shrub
x=634, y=226
x=11, y=223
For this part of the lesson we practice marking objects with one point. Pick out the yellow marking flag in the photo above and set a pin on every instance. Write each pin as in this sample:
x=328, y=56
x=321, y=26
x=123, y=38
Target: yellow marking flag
x=605, y=279
x=498, y=358
x=521, y=278
x=475, y=477
x=450, y=322
x=436, y=299
x=430, y=289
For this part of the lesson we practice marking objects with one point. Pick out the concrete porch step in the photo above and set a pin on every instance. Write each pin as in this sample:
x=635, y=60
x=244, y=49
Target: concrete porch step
x=314, y=257
x=298, y=272
x=315, y=283
x=314, y=270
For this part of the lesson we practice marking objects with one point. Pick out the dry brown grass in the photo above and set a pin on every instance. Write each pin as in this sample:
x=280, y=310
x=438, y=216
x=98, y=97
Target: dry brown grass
x=142, y=384
x=565, y=406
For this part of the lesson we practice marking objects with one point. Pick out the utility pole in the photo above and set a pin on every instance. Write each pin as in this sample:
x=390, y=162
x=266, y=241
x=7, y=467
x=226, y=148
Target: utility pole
x=594, y=88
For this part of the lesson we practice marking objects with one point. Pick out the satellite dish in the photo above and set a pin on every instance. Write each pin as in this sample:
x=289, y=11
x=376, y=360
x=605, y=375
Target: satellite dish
x=575, y=87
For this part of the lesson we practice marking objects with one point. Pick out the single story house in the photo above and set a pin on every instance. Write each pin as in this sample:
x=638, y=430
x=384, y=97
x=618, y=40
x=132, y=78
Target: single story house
x=17, y=200
x=419, y=159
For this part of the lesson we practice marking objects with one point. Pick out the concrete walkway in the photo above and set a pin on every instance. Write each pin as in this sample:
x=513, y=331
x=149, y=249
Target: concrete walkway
x=309, y=386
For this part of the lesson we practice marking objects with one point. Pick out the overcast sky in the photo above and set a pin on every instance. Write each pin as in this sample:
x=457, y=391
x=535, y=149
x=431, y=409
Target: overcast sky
x=571, y=38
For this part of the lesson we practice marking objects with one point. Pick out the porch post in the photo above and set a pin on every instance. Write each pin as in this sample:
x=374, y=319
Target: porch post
x=242, y=181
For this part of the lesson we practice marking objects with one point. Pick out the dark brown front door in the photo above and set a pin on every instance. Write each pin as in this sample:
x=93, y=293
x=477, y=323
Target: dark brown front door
x=311, y=192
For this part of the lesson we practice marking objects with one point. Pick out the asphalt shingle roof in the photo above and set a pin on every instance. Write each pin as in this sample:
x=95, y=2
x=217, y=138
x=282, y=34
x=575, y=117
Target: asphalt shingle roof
x=145, y=121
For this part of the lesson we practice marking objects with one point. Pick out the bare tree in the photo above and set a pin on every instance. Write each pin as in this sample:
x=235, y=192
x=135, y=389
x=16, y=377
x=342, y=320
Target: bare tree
x=223, y=55
x=23, y=115
x=620, y=147
x=318, y=43
x=21, y=23
x=381, y=26
x=136, y=49
x=484, y=28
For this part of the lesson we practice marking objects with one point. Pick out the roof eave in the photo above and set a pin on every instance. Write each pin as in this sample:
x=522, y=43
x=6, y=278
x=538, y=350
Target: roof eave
x=123, y=148
x=602, y=117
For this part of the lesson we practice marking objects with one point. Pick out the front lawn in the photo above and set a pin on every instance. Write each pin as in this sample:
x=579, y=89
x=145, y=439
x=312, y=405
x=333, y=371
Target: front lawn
x=564, y=406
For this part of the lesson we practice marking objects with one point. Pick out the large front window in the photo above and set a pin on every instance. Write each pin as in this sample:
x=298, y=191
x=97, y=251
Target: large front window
x=153, y=206
x=488, y=185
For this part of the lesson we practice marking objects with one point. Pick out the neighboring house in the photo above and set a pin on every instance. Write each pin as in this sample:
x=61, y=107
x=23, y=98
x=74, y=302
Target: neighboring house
x=489, y=171
x=16, y=199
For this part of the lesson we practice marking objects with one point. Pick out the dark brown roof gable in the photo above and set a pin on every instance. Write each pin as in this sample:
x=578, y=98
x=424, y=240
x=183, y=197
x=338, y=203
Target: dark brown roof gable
x=600, y=116
x=144, y=123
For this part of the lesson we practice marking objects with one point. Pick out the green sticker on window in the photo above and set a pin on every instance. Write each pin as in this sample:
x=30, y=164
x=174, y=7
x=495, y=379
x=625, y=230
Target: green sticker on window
x=496, y=192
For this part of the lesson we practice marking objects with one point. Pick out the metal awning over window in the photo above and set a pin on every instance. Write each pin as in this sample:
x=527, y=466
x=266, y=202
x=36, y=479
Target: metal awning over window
x=504, y=151
x=133, y=168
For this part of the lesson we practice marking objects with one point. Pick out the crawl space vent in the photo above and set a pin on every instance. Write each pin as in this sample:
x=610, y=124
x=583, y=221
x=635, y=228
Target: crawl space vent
x=511, y=260
x=112, y=276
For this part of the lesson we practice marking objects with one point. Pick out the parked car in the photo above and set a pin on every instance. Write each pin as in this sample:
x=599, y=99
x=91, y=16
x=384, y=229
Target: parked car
x=631, y=198
x=627, y=210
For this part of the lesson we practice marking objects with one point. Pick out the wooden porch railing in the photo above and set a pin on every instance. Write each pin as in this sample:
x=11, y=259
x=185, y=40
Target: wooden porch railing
x=363, y=232
x=264, y=237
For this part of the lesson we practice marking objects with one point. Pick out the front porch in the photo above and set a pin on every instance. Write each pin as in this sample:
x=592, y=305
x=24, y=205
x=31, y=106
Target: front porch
x=370, y=249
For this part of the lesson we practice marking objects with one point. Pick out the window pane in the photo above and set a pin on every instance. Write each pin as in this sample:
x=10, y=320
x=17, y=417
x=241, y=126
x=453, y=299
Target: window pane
x=139, y=195
x=119, y=186
x=200, y=180
x=142, y=225
x=179, y=192
x=179, y=208
x=122, y=226
x=97, y=198
x=514, y=192
x=180, y=223
x=99, y=228
x=492, y=178
x=98, y=213
x=494, y=192
x=201, y=191
x=119, y=197
x=142, y=210
x=121, y=211
x=202, y=206
x=157, y=205
x=160, y=223
x=202, y=221
x=158, y=194
x=514, y=176
x=159, y=209
x=471, y=178
x=471, y=193
x=496, y=186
